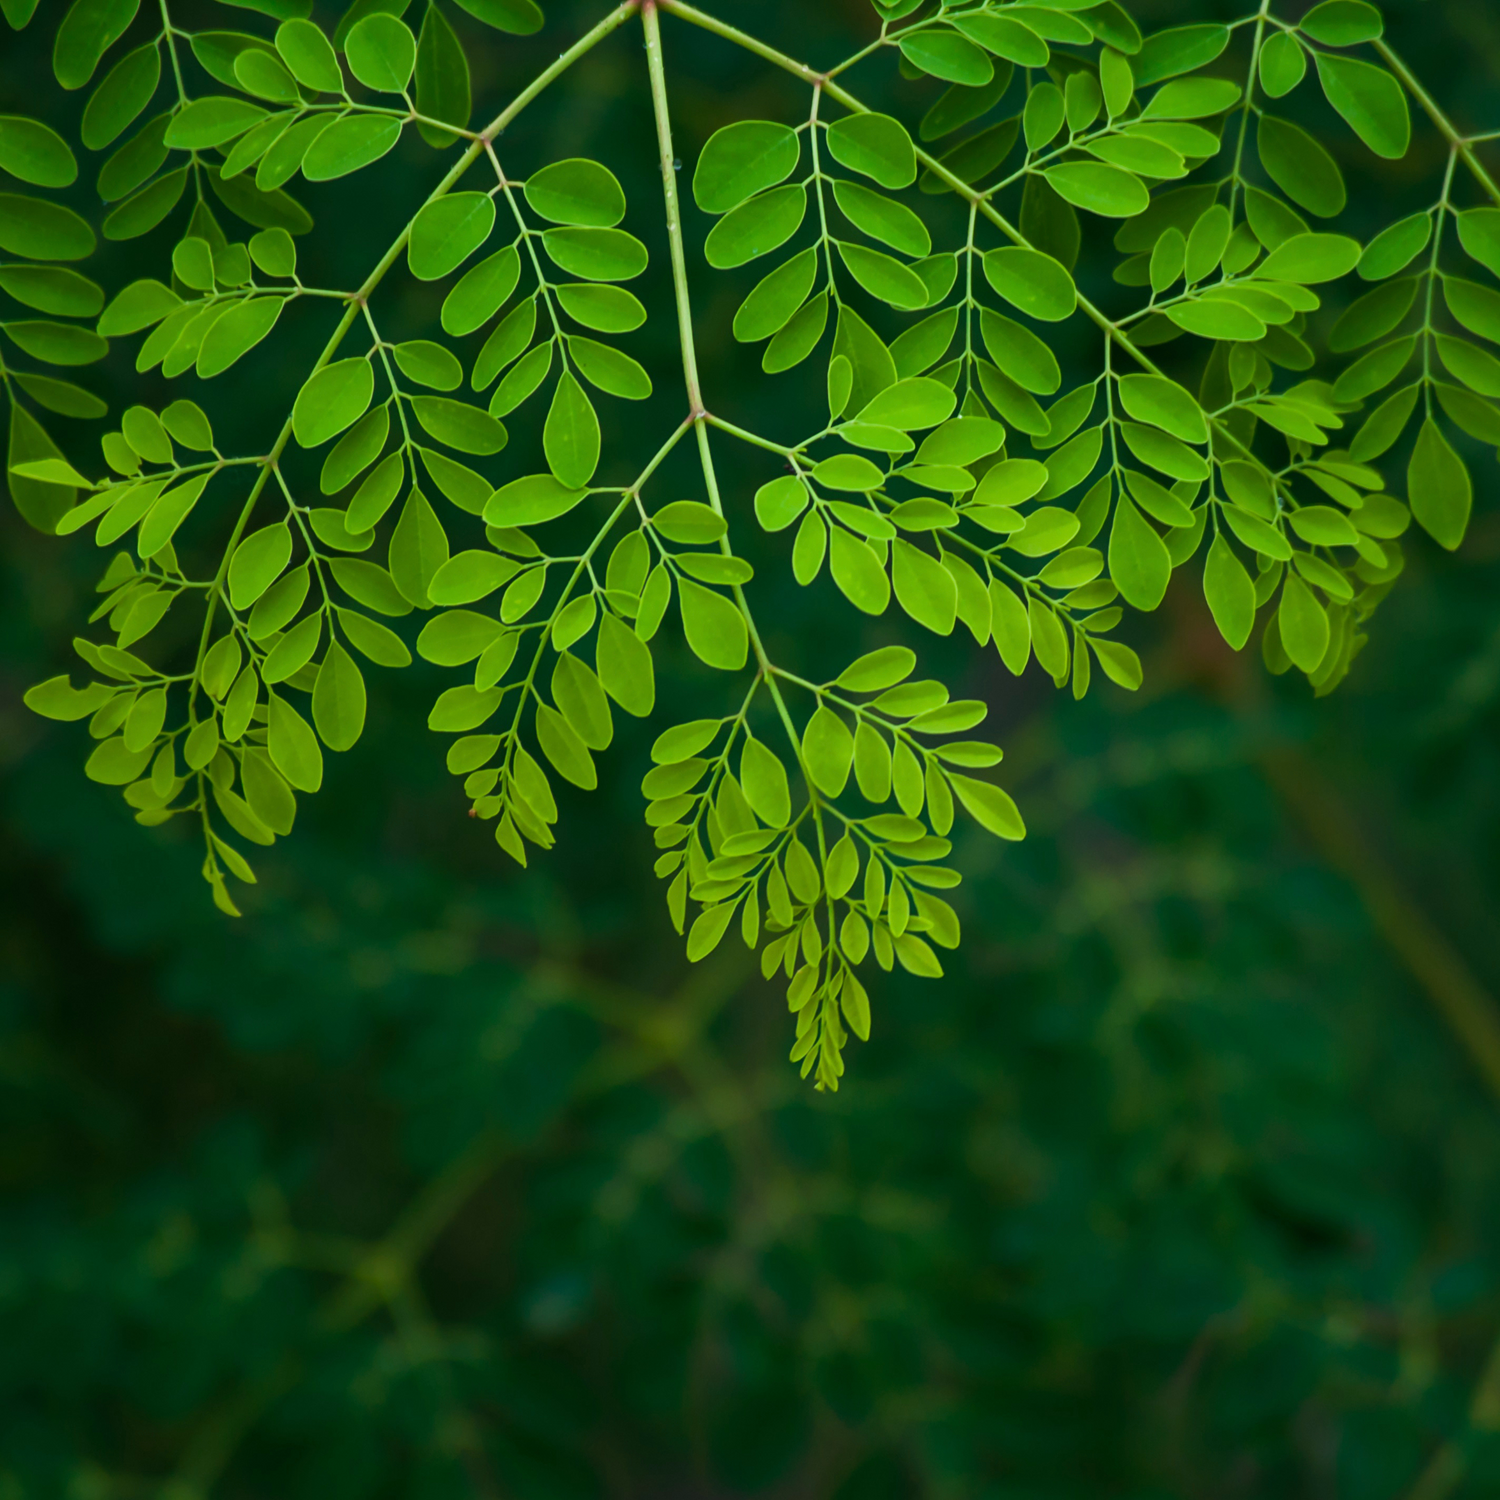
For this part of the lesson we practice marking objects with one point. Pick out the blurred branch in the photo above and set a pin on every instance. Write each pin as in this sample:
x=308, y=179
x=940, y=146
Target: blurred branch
x=1431, y=959
x=1450, y=1463
x=1459, y=143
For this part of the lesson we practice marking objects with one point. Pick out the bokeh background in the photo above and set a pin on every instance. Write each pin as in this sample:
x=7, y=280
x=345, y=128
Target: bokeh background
x=432, y=1179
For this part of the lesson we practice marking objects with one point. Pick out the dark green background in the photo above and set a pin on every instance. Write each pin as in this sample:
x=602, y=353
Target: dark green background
x=1177, y=1185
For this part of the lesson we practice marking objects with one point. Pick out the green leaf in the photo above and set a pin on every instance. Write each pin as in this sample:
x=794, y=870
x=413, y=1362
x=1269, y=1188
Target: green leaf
x=447, y=231
x=924, y=588
x=293, y=746
x=1011, y=627
x=381, y=53
x=1164, y=453
x=459, y=425
x=609, y=369
x=271, y=800
x=609, y=309
x=443, y=88
x=1139, y=562
x=683, y=741
x=1121, y=665
x=876, y=146
x=170, y=510
x=519, y=384
x=51, y=289
x=869, y=359
x=88, y=31
x=828, y=750
x=1303, y=624
x=212, y=122
x=579, y=695
x=848, y=471
x=38, y=230
x=347, y=145
x=36, y=153
x=799, y=338
x=503, y=346
x=763, y=780
x=780, y=502
x=309, y=54
x=135, y=161
x=1394, y=249
x=989, y=805
x=335, y=398
x=419, y=548
x=520, y=17
x=883, y=219
x=689, y=522
x=1474, y=366
x=355, y=451
x=625, y=669
x=469, y=577
x=252, y=147
x=236, y=333
x=859, y=572
x=883, y=276
x=263, y=74
x=1023, y=357
x=257, y=562
x=1218, y=319
x=1439, y=488
x=909, y=406
x=1033, y=282
x=1300, y=167
x=461, y=709
x=974, y=158
x=1311, y=258
x=294, y=650
x=457, y=637
x=756, y=227
x=944, y=54
x=1479, y=234
x=1283, y=65
x=576, y=191
x=61, y=396
x=1374, y=315
x=57, y=698
x=960, y=105
x=1192, y=99
x=1099, y=188
x=1476, y=307
x=1342, y=23
x=42, y=503
x=531, y=501
x=741, y=160
x=1230, y=593
x=57, y=343
x=1165, y=404
x=468, y=490
x=714, y=627
x=428, y=364
x=570, y=438
x=1005, y=38
x=1182, y=49
x=1043, y=116
x=776, y=297
x=596, y=254
x=1370, y=100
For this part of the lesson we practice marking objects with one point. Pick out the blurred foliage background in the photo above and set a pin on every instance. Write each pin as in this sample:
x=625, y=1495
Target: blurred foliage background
x=433, y=1179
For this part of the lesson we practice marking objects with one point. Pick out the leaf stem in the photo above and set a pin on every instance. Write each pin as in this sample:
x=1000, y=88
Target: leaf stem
x=1461, y=144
